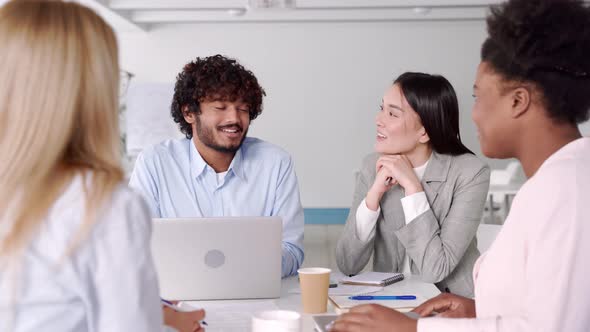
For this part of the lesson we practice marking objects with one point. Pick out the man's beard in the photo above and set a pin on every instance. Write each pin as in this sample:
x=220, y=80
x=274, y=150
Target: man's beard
x=206, y=136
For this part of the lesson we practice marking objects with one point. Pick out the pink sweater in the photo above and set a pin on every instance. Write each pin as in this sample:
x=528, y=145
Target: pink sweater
x=536, y=275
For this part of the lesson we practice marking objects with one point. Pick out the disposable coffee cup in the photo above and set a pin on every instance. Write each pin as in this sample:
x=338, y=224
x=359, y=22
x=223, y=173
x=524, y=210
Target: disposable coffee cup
x=314, y=283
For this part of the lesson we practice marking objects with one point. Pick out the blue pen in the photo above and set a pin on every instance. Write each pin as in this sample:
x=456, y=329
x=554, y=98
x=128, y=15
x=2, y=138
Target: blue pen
x=383, y=297
x=179, y=309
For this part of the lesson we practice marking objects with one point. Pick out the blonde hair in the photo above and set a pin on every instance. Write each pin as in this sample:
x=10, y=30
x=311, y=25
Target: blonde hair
x=59, y=77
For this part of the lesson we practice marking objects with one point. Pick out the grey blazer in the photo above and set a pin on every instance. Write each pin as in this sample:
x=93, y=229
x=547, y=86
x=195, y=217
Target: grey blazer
x=440, y=243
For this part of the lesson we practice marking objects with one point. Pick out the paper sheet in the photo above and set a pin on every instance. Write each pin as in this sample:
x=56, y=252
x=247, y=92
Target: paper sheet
x=232, y=316
x=353, y=290
x=337, y=276
x=346, y=290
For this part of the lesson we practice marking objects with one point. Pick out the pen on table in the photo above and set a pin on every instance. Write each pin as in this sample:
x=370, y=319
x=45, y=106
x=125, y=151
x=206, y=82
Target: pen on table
x=179, y=309
x=382, y=297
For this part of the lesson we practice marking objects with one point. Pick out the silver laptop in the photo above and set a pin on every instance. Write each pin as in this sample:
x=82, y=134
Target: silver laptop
x=218, y=258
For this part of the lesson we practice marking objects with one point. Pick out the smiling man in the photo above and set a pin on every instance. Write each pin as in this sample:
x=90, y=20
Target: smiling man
x=217, y=170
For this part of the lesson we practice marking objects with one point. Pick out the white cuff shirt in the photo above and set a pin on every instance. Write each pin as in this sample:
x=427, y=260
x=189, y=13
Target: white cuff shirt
x=366, y=219
x=413, y=206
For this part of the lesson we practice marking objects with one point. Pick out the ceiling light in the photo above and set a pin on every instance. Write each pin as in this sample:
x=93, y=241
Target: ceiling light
x=267, y=4
x=422, y=10
x=237, y=11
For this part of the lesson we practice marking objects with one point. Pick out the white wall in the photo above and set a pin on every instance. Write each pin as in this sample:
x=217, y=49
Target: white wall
x=324, y=82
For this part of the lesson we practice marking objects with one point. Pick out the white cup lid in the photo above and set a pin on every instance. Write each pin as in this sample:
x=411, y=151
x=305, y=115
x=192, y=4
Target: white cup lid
x=314, y=270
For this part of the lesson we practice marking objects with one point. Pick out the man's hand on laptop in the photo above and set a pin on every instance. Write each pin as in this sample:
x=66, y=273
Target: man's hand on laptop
x=184, y=321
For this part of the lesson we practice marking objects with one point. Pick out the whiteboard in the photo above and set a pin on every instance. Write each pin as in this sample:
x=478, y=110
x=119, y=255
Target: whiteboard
x=148, y=119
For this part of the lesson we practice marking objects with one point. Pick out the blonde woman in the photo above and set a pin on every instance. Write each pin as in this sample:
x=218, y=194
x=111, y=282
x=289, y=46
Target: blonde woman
x=74, y=241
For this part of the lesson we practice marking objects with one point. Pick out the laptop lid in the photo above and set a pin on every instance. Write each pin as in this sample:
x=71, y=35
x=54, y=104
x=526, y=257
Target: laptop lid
x=218, y=258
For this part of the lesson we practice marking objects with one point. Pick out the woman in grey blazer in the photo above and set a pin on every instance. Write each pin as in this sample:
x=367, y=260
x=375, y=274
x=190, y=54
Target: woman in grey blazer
x=418, y=200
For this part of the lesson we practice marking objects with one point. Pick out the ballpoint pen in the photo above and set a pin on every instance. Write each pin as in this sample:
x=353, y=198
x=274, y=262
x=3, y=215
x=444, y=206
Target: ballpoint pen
x=180, y=309
x=382, y=297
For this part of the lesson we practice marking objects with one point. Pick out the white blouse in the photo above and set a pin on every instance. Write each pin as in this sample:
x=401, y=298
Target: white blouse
x=107, y=284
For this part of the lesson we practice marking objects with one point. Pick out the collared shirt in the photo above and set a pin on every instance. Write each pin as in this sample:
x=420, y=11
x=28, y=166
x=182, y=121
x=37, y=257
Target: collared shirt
x=260, y=181
x=534, y=277
x=108, y=283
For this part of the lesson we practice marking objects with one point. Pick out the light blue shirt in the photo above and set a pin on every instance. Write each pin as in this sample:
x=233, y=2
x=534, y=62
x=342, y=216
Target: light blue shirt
x=177, y=183
x=108, y=283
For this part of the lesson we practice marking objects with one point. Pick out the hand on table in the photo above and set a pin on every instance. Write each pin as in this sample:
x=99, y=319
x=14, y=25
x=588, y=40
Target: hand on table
x=447, y=305
x=373, y=318
x=184, y=321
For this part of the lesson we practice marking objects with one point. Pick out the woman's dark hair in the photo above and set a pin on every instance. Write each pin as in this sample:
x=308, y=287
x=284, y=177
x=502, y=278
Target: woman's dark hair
x=214, y=78
x=435, y=101
x=545, y=43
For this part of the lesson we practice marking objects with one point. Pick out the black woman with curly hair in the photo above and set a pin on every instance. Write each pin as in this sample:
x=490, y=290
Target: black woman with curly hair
x=532, y=90
x=216, y=170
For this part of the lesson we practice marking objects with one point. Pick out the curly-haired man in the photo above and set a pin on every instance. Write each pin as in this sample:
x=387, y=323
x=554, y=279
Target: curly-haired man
x=217, y=170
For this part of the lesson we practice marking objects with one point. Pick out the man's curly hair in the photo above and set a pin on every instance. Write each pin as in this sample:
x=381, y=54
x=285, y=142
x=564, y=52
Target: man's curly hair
x=214, y=78
x=545, y=43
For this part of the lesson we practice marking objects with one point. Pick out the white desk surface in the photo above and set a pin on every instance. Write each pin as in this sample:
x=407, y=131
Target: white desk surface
x=291, y=301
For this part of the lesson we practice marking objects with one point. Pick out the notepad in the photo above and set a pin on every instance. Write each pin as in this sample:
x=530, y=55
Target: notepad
x=374, y=279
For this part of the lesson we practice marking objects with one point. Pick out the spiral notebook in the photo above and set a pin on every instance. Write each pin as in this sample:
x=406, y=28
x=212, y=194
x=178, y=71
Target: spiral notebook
x=342, y=304
x=374, y=279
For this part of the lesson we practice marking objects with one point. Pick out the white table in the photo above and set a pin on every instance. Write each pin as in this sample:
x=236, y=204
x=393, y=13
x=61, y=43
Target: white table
x=291, y=301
